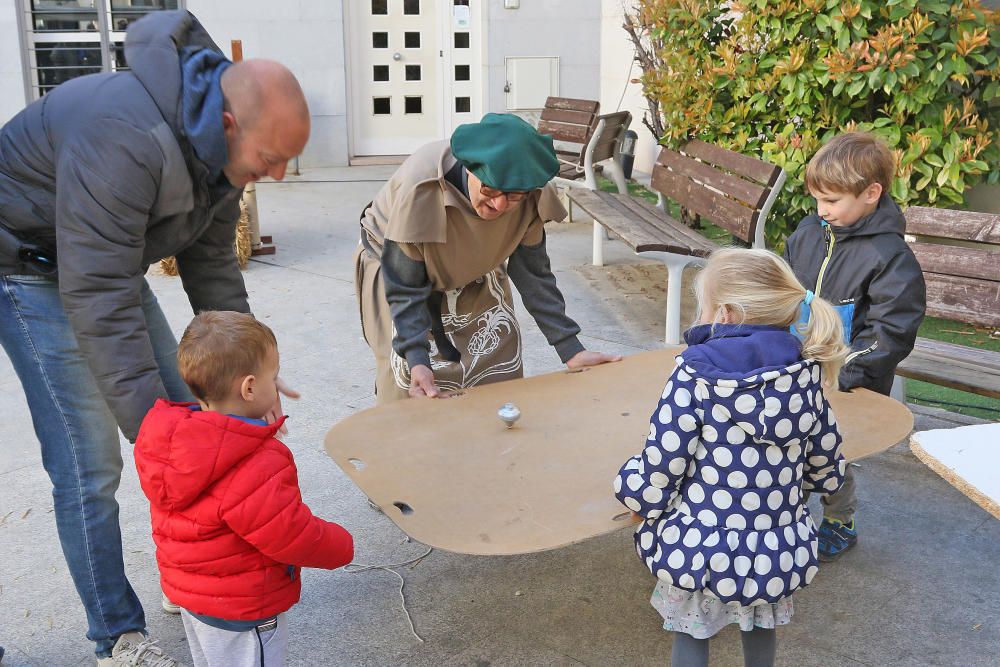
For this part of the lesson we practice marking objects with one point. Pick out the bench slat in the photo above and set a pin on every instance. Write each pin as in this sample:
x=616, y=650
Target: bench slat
x=572, y=104
x=642, y=226
x=604, y=150
x=970, y=355
x=572, y=117
x=747, y=192
x=578, y=134
x=952, y=224
x=727, y=213
x=963, y=299
x=957, y=261
x=744, y=165
x=684, y=239
x=952, y=368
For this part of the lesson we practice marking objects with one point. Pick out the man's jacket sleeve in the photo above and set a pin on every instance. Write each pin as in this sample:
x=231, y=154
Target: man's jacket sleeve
x=209, y=269
x=107, y=183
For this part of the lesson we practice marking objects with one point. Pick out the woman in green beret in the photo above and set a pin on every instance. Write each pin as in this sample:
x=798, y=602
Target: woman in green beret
x=437, y=246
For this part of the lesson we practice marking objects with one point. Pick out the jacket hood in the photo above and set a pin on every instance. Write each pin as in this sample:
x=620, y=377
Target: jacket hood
x=762, y=365
x=153, y=48
x=180, y=452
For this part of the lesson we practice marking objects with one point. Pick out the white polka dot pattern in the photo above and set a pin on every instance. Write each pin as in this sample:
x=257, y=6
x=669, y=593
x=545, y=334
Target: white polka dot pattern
x=721, y=479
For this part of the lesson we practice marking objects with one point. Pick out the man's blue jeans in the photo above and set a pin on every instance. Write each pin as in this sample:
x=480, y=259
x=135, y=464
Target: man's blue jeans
x=80, y=445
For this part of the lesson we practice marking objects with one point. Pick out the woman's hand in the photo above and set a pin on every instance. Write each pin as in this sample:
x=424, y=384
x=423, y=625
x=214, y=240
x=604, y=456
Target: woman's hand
x=585, y=358
x=422, y=382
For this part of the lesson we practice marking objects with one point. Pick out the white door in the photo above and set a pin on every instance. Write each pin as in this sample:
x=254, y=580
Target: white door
x=415, y=71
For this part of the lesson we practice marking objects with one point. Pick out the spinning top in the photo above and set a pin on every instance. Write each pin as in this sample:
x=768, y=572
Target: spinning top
x=508, y=414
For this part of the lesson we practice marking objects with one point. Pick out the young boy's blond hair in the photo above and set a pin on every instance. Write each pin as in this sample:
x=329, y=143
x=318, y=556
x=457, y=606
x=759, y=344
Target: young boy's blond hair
x=219, y=347
x=850, y=163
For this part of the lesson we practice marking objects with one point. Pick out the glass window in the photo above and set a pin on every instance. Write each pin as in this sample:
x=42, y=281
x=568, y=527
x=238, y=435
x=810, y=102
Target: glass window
x=413, y=72
x=380, y=40
x=414, y=105
x=411, y=6
x=411, y=40
x=380, y=7
x=125, y=12
x=64, y=37
x=461, y=40
x=462, y=73
x=381, y=106
x=61, y=16
x=463, y=104
x=380, y=73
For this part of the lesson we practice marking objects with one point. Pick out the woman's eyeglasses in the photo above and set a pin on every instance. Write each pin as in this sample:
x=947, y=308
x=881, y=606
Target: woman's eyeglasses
x=512, y=197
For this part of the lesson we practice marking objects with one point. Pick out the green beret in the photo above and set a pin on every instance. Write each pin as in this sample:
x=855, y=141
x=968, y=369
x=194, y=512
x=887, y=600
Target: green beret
x=505, y=153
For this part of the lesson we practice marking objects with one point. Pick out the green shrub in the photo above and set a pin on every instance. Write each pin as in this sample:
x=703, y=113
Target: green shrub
x=777, y=78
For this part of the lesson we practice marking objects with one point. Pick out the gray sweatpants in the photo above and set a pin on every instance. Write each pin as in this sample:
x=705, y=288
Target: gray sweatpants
x=212, y=647
x=842, y=504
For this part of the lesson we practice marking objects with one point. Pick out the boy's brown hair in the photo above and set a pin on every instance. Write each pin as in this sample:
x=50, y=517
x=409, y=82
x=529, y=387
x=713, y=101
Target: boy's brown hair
x=220, y=346
x=850, y=163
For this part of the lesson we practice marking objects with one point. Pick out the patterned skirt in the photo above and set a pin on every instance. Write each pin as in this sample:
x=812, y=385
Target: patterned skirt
x=478, y=320
x=702, y=615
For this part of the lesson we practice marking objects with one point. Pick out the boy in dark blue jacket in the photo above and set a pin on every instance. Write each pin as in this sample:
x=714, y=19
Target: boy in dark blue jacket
x=853, y=254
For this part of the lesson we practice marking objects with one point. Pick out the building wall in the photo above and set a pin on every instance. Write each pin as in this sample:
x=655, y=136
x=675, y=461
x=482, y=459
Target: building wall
x=11, y=75
x=307, y=37
x=618, y=68
x=569, y=29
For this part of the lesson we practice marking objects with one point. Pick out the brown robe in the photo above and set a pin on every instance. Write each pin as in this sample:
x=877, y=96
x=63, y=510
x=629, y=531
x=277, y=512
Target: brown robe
x=434, y=223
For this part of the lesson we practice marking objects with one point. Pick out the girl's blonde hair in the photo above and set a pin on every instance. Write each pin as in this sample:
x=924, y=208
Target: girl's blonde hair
x=758, y=287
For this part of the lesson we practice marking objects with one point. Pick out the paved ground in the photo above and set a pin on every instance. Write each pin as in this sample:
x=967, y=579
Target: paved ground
x=920, y=589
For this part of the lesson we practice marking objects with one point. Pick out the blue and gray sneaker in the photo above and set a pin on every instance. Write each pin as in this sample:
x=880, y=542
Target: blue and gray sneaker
x=835, y=537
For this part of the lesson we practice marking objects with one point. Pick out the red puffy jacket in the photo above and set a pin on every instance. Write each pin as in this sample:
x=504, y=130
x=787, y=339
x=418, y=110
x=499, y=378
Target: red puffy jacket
x=230, y=527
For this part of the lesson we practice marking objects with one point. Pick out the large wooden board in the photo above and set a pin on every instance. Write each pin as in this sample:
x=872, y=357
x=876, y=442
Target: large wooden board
x=452, y=475
x=967, y=457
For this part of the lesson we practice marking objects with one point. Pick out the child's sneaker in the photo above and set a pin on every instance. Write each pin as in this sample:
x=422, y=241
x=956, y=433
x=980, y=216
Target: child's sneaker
x=835, y=537
x=169, y=606
x=134, y=649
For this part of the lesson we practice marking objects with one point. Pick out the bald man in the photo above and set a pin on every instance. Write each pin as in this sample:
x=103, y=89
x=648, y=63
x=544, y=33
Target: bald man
x=100, y=178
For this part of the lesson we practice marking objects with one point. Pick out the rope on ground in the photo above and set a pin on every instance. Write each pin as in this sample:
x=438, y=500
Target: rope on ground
x=364, y=567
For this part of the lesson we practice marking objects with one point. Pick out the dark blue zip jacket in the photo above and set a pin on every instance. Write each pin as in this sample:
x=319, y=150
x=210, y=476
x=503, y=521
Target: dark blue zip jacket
x=101, y=176
x=875, y=282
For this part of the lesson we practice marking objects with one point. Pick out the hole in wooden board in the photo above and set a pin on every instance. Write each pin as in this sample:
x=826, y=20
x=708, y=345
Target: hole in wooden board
x=403, y=507
x=357, y=463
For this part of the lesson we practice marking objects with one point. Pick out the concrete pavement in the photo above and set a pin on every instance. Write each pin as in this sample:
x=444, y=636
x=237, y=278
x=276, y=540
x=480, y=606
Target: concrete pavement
x=921, y=588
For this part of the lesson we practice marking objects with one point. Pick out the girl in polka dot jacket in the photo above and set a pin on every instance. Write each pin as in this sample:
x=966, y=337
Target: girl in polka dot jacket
x=740, y=433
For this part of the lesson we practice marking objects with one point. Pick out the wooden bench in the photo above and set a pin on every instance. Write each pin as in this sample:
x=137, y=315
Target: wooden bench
x=734, y=191
x=594, y=139
x=959, y=252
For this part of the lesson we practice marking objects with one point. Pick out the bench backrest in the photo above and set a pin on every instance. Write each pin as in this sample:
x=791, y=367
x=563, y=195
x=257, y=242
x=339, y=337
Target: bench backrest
x=732, y=190
x=569, y=120
x=609, y=131
x=959, y=252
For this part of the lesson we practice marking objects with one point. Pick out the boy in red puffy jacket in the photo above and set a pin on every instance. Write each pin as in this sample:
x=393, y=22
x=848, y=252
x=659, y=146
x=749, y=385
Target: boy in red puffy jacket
x=230, y=527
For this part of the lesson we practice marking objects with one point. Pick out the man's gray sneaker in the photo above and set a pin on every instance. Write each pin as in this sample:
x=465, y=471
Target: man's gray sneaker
x=134, y=649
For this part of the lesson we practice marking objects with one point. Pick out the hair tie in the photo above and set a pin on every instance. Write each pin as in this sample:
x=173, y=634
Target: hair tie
x=809, y=297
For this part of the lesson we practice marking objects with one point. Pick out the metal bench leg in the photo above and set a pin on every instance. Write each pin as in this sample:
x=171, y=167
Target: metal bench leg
x=898, y=390
x=598, y=244
x=618, y=176
x=675, y=273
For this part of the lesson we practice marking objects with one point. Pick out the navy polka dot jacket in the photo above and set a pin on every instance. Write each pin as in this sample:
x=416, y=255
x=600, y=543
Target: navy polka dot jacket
x=740, y=433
